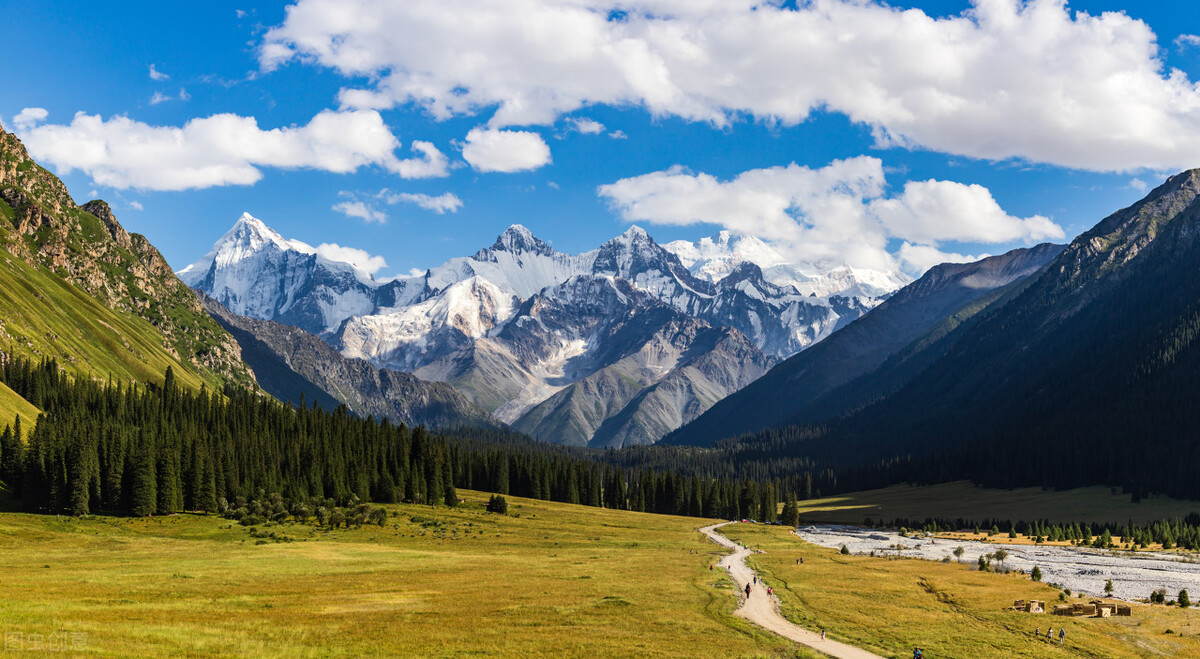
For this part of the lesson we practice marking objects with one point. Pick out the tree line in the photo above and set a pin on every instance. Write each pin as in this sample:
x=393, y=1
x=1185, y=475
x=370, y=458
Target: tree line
x=158, y=448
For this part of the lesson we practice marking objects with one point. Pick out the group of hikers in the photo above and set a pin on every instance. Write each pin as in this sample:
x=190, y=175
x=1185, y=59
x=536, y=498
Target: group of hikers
x=1062, y=634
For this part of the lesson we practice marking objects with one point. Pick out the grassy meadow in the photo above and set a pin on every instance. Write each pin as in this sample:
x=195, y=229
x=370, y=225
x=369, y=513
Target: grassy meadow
x=961, y=499
x=549, y=579
x=890, y=606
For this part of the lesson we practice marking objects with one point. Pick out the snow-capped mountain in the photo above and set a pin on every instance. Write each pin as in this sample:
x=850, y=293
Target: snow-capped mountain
x=617, y=345
x=714, y=258
x=253, y=271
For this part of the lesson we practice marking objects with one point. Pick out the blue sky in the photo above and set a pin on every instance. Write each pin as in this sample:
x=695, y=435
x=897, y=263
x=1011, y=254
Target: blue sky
x=1012, y=122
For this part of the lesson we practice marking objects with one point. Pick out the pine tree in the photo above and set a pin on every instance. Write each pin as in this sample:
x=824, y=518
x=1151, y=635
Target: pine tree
x=144, y=494
x=451, y=494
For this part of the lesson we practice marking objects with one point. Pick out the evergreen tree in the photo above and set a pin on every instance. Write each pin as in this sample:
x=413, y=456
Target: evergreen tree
x=451, y=494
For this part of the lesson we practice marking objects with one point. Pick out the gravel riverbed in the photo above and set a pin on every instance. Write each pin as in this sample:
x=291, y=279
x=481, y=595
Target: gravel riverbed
x=1134, y=575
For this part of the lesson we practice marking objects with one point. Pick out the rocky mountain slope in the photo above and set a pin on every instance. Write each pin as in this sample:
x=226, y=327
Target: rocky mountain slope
x=293, y=365
x=1086, y=373
x=513, y=325
x=76, y=286
x=807, y=387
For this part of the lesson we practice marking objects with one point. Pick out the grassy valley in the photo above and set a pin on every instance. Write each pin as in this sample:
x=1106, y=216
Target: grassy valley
x=548, y=579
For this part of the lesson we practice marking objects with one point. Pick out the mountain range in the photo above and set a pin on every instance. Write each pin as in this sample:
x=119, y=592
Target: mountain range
x=1086, y=371
x=612, y=347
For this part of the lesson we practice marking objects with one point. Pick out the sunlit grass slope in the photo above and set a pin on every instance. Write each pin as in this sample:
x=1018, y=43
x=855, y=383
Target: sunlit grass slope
x=548, y=580
x=890, y=606
x=12, y=406
x=43, y=315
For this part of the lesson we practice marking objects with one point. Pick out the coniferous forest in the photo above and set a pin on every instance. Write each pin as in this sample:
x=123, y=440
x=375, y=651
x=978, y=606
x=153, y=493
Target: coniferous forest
x=159, y=448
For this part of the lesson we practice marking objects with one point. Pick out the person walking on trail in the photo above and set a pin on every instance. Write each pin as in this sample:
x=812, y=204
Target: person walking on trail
x=1050, y=634
x=1062, y=635
x=822, y=634
x=747, y=590
x=1037, y=633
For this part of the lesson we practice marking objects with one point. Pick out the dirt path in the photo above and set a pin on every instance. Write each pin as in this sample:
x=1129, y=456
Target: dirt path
x=763, y=610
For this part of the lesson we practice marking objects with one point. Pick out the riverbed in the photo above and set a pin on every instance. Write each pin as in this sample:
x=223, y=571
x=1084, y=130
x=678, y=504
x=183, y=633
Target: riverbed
x=1083, y=570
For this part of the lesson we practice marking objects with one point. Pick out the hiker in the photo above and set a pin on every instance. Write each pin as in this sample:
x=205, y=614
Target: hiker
x=747, y=590
x=822, y=634
x=1037, y=633
x=1050, y=634
x=1062, y=635
x=710, y=567
x=917, y=653
x=797, y=561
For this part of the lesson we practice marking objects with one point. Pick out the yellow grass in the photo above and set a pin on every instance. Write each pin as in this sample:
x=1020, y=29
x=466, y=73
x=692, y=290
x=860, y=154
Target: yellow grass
x=890, y=606
x=558, y=580
x=963, y=500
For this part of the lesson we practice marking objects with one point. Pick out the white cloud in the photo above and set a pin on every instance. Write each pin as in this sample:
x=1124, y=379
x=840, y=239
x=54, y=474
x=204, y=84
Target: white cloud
x=834, y=215
x=586, y=126
x=355, y=257
x=432, y=163
x=489, y=150
x=931, y=211
x=158, y=76
x=1028, y=79
x=441, y=204
x=223, y=149
x=361, y=210
x=28, y=118
x=135, y=205
x=160, y=97
x=1185, y=41
x=618, y=135
x=1138, y=184
x=919, y=258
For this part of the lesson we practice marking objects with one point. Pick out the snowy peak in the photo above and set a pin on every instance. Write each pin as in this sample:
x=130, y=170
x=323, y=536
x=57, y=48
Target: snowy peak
x=632, y=253
x=518, y=240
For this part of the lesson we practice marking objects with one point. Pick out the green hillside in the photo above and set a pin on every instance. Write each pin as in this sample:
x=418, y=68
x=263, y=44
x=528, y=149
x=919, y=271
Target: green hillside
x=41, y=315
x=12, y=406
x=76, y=286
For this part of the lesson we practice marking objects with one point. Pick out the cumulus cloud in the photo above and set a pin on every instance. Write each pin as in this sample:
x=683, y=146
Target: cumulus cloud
x=361, y=210
x=158, y=76
x=431, y=163
x=223, y=149
x=833, y=215
x=29, y=117
x=441, y=204
x=919, y=258
x=489, y=150
x=1026, y=79
x=136, y=205
x=356, y=257
x=1185, y=41
x=931, y=211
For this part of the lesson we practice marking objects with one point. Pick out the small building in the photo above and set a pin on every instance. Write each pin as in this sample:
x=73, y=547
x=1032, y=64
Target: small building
x=1124, y=610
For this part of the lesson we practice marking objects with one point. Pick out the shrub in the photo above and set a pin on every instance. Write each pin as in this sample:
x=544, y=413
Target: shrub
x=497, y=504
x=845, y=550
x=1108, y=587
x=1184, y=600
x=1036, y=574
